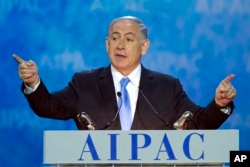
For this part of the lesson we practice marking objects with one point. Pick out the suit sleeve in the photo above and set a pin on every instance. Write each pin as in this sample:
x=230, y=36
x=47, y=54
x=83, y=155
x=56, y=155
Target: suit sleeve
x=212, y=117
x=57, y=105
x=209, y=117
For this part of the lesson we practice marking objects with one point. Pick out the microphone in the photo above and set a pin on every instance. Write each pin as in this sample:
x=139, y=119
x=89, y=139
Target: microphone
x=85, y=121
x=154, y=110
x=181, y=123
x=107, y=125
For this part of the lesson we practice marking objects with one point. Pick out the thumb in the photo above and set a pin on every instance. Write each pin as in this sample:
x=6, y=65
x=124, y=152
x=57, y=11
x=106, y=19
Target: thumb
x=30, y=63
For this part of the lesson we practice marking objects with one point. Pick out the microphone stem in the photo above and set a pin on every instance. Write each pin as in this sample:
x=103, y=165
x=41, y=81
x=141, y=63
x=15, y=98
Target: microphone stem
x=152, y=107
x=107, y=125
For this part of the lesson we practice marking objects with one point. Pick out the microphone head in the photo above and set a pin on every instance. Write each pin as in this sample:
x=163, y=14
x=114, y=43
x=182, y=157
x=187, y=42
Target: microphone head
x=85, y=121
x=187, y=114
x=180, y=123
x=91, y=127
x=119, y=94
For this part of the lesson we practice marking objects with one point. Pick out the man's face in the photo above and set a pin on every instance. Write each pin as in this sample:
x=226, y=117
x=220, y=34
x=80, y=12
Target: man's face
x=125, y=46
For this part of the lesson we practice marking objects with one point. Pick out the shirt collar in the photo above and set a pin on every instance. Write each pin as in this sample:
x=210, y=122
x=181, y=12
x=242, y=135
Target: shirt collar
x=134, y=76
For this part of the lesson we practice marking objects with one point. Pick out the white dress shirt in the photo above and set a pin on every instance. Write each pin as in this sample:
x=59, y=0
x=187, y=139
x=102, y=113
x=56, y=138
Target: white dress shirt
x=132, y=87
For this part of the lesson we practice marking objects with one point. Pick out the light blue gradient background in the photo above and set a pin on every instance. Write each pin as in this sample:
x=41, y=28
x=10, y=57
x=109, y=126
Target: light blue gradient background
x=199, y=42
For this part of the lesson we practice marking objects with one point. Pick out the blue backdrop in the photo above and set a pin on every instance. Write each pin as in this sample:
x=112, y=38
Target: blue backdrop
x=199, y=42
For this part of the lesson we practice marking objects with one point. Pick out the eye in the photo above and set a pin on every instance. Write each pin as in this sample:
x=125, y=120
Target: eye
x=115, y=37
x=130, y=39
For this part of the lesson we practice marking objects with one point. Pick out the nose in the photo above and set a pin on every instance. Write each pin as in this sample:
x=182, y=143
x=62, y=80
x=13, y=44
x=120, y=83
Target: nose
x=121, y=44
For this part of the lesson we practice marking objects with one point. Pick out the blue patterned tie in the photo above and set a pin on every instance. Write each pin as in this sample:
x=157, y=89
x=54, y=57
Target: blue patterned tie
x=125, y=111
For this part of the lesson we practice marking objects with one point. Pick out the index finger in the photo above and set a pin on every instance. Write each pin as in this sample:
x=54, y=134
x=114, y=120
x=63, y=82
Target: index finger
x=18, y=59
x=229, y=78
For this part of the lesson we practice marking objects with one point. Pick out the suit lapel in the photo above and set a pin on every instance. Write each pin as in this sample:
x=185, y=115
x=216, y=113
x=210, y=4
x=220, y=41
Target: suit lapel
x=143, y=111
x=106, y=86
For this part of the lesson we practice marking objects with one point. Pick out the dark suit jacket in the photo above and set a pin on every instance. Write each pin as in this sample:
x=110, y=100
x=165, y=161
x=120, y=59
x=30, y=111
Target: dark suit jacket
x=93, y=92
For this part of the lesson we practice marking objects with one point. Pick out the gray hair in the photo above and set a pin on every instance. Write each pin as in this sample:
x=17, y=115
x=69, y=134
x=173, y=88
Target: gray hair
x=143, y=28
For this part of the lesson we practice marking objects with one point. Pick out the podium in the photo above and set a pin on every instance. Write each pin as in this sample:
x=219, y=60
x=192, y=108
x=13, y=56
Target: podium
x=147, y=148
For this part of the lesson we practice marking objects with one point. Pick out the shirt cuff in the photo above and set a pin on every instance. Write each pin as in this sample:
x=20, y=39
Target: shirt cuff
x=28, y=90
x=227, y=110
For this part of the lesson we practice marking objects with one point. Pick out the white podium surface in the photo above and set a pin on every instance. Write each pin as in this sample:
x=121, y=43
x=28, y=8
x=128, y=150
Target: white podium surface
x=139, y=147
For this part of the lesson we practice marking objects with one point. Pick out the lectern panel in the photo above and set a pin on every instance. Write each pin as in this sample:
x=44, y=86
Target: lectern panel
x=139, y=148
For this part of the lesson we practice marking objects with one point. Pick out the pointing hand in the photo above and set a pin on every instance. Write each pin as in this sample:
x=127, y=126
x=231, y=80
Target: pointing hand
x=27, y=70
x=225, y=92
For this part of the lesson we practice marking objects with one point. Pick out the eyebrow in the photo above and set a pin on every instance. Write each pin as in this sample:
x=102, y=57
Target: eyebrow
x=128, y=33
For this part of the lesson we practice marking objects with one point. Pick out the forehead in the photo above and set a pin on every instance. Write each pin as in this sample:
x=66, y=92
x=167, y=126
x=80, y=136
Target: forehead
x=125, y=26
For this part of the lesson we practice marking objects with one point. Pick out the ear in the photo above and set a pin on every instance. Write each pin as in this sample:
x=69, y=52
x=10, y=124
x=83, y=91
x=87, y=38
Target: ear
x=107, y=44
x=145, y=46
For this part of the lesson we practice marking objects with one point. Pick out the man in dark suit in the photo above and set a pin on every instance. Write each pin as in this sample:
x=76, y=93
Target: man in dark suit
x=156, y=101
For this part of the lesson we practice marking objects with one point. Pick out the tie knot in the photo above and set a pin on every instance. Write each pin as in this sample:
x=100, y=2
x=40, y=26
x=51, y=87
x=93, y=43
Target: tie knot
x=124, y=81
